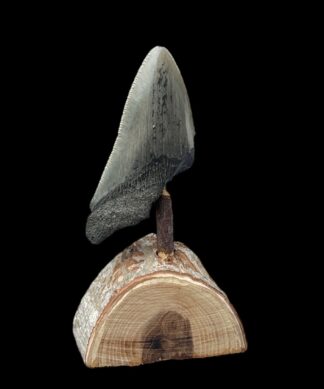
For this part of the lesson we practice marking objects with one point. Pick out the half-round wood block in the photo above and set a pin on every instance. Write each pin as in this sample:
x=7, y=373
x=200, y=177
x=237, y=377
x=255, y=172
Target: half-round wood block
x=143, y=308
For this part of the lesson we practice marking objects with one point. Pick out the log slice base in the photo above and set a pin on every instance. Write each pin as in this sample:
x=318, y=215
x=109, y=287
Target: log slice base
x=144, y=308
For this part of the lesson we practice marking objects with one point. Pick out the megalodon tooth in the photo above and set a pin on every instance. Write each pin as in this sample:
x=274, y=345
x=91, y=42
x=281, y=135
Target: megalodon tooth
x=155, y=142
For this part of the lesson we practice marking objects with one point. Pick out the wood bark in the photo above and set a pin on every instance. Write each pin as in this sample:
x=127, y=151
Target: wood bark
x=143, y=308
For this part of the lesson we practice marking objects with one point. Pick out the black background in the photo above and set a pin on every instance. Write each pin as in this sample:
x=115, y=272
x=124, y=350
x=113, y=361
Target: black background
x=226, y=207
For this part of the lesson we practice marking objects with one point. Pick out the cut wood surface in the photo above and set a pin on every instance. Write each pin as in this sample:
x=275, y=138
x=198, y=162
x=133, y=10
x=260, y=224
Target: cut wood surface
x=143, y=308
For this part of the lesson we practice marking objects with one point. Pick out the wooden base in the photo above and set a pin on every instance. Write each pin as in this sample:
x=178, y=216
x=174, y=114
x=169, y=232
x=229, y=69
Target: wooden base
x=144, y=307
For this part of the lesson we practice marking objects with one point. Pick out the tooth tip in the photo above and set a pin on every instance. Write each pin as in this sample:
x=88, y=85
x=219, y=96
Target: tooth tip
x=158, y=50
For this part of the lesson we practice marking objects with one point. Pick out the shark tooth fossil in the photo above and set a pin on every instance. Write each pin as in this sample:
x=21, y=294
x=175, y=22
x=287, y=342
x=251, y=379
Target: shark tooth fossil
x=155, y=142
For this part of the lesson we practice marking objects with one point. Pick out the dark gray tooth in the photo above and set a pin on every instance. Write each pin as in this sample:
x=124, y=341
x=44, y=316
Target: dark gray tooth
x=155, y=142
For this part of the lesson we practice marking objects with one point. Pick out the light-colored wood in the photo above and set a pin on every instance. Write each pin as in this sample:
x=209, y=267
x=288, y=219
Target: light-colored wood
x=143, y=308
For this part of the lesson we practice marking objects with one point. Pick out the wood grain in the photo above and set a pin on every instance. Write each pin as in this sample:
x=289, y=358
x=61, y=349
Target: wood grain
x=167, y=336
x=143, y=308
